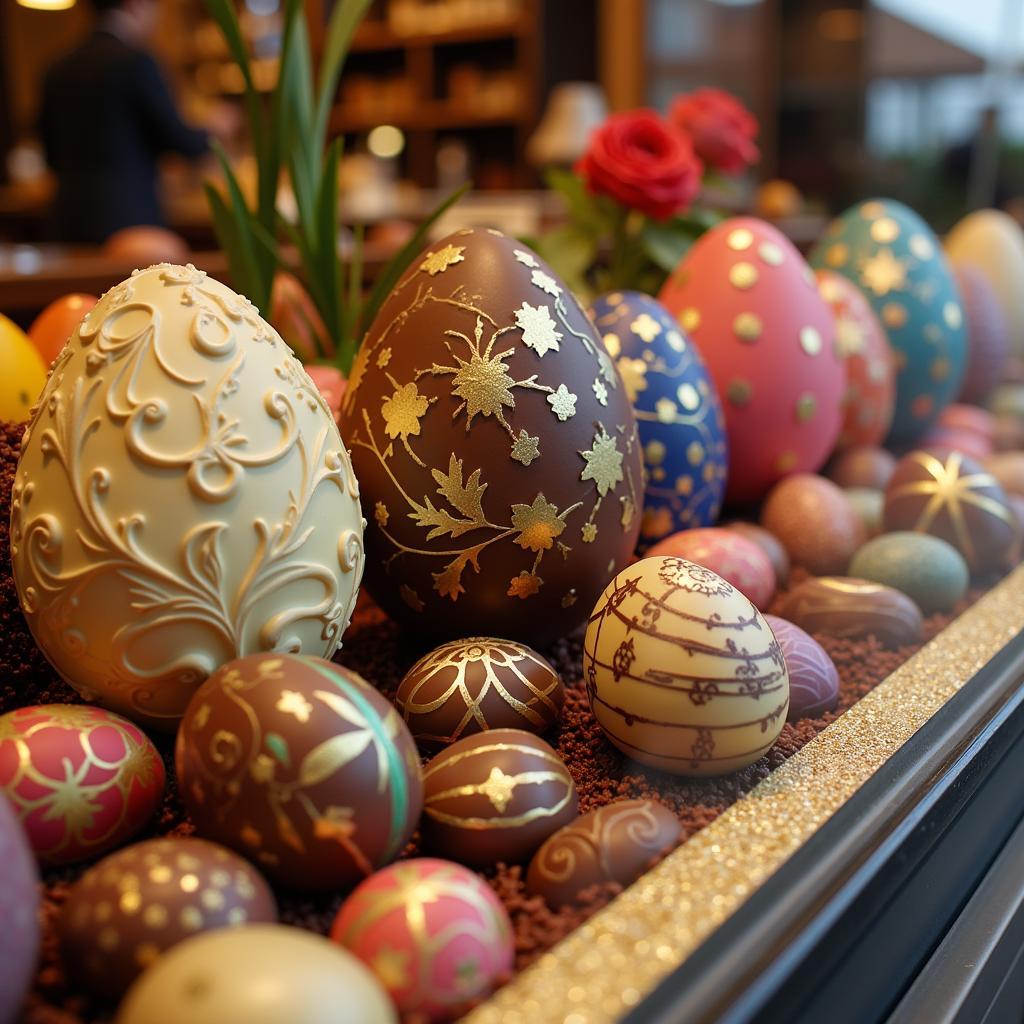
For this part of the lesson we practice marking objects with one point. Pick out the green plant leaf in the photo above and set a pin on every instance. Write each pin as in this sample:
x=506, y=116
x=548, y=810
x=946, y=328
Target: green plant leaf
x=344, y=20
x=225, y=15
x=329, y=265
x=572, y=189
x=570, y=251
x=666, y=244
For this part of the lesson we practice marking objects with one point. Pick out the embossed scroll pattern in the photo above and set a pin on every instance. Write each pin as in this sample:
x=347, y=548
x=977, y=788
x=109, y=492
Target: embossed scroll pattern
x=183, y=498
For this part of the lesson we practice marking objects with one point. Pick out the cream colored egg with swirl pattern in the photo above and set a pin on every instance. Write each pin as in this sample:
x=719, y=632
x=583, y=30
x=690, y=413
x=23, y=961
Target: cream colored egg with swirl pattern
x=183, y=498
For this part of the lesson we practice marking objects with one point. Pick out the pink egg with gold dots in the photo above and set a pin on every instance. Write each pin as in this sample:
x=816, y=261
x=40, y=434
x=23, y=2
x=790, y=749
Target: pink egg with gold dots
x=434, y=934
x=735, y=558
x=751, y=305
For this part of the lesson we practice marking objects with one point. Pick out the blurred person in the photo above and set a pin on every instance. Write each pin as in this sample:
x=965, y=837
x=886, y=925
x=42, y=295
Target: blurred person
x=107, y=116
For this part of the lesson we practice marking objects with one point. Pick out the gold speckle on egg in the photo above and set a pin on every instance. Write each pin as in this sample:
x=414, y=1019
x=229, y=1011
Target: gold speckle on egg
x=740, y=239
x=829, y=289
x=108, y=939
x=771, y=254
x=939, y=369
x=161, y=874
x=785, y=462
x=130, y=901
x=747, y=326
x=739, y=391
x=684, y=485
x=237, y=916
x=688, y=397
x=613, y=343
x=849, y=337
x=104, y=911
x=695, y=453
x=211, y=899
x=872, y=209
x=810, y=340
x=666, y=410
x=894, y=315
x=191, y=918
x=654, y=453
x=743, y=275
x=885, y=230
x=952, y=315
x=146, y=953
x=588, y=533
x=689, y=319
x=189, y=883
x=921, y=247
x=806, y=405
x=220, y=878
x=155, y=915
x=836, y=254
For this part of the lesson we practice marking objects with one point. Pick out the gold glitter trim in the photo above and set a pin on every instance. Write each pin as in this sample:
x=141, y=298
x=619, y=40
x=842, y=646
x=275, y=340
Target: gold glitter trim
x=610, y=963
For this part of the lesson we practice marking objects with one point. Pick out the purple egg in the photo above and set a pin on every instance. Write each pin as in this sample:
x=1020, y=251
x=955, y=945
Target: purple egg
x=988, y=335
x=813, y=679
x=19, y=913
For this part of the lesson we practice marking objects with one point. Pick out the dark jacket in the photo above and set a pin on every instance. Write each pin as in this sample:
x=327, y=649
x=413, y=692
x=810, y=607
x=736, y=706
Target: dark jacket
x=106, y=117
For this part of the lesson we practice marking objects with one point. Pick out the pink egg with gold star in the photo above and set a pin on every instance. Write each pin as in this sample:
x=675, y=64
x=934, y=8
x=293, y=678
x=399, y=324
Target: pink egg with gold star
x=81, y=780
x=434, y=934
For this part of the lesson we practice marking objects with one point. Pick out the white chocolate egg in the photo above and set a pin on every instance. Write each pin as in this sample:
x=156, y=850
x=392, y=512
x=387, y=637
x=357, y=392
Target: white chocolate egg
x=682, y=671
x=183, y=498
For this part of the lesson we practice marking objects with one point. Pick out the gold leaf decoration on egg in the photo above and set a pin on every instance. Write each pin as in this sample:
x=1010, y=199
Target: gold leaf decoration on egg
x=525, y=448
x=645, y=327
x=437, y=262
x=562, y=402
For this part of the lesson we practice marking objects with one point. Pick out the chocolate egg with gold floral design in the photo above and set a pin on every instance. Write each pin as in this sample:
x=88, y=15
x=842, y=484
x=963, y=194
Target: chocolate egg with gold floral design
x=140, y=901
x=81, y=780
x=495, y=446
x=301, y=766
x=894, y=258
x=749, y=302
x=678, y=412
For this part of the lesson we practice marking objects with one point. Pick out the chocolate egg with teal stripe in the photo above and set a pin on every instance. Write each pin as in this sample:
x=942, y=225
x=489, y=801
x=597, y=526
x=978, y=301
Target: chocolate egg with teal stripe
x=895, y=259
x=678, y=413
x=300, y=765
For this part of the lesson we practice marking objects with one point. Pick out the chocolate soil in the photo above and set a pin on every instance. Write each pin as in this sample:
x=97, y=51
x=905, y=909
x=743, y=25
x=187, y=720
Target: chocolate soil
x=374, y=648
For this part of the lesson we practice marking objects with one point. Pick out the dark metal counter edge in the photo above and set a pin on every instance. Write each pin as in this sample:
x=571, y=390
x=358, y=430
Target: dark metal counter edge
x=839, y=932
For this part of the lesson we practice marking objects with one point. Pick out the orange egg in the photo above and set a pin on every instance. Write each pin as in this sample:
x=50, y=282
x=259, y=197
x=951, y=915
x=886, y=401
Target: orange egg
x=145, y=245
x=52, y=328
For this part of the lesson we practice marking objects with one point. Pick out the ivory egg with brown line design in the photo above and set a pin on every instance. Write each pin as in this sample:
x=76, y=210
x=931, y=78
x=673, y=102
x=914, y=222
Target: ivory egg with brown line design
x=495, y=446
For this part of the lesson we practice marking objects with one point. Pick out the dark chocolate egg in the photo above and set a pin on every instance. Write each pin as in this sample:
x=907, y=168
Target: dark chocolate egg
x=615, y=843
x=140, y=901
x=470, y=686
x=952, y=497
x=301, y=766
x=19, y=906
x=813, y=678
x=495, y=796
x=495, y=446
x=863, y=466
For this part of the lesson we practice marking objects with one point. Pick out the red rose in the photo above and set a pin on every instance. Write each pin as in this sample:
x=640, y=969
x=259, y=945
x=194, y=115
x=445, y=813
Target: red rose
x=639, y=160
x=722, y=129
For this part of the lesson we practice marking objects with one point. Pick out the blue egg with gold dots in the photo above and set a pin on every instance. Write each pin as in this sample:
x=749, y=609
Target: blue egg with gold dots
x=678, y=411
x=892, y=255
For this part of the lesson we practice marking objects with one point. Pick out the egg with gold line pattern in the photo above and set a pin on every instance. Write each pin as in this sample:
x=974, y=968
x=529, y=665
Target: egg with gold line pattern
x=892, y=255
x=682, y=671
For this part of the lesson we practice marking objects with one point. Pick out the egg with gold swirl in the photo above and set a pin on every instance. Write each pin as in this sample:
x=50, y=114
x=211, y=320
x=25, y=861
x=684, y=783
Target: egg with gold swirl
x=894, y=258
x=495, y=446
x=682, y=671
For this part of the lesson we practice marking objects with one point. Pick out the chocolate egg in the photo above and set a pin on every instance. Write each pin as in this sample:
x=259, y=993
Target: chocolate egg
x=968, y=418
x=19, y=906
x=817, y=525
x=813, y=678
x=682, y=671
x=749, y=302
x=470, y=686
x=182, y=498
x=953, y=498
x=869, y=505
x=80, y=779
x=260, y=974
x=137, y=903
x=988, y=334
x=768, y=543
x=1008, y=469
x=301, y=766
x=678, y=411
x=615, y=843
x=495, y=797
x=870, y=398
x=863, y=466
x=991, y=240
x=495, y=447
x=433, y=933
x=732, y=556
x=941, y=443
x=928, y=570
x=849, y=608
x=892, y=255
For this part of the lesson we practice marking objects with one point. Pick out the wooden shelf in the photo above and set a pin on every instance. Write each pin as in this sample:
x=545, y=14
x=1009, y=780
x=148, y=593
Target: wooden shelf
x=378, y=36
x=440, y=116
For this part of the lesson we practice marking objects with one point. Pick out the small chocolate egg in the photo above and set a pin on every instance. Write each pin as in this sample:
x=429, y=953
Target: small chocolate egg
x=988, y=334
x=750, y=303
x=869, y=401
x=434, y=934
x=140, y=901
x=678, y=412
x=1008, y=469
x=495, y=797
x=817, y=525
x=19, y=907
x=81, y=780
x=848, y=608
x=953, y=498
x=470, y=686
x=260, y=974
x=768, y=543
x=893, y=256
x=813, y=678
x=869, y=505
x=729, y=554
x=615, y=843
x=301, y=766
x=863, y=466
x=682, y=671
x=928, y=570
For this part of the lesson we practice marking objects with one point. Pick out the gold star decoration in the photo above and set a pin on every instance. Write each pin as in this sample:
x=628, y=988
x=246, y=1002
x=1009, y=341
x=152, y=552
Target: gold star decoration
x=525, y=585
x=563, y=403
x=538, y=328
x=525, y=448
x=499, y=787
x=293, y=703
x=600, y=391
x=437, y=262
x=381, y=514
x=403, y=410
x=883, y=273
x=604, y=462
x=645, y=327
x=538, y=524
x=546, y=283
x=525, y=258
x=634, y=376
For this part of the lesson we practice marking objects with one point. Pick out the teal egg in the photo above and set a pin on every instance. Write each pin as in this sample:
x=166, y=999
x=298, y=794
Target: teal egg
x=892, y=255
x=678, y=413
x=932, y=573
